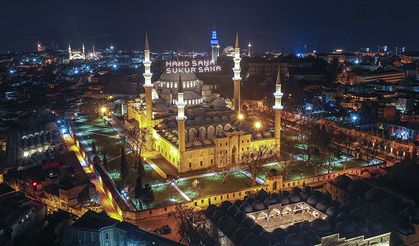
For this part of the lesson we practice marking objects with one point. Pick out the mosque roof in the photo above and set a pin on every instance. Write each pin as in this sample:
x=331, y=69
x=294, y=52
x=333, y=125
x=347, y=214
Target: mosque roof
x=174, y=77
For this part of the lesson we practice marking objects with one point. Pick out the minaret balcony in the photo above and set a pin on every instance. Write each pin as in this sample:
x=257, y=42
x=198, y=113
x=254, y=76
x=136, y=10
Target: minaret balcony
x=278, y=107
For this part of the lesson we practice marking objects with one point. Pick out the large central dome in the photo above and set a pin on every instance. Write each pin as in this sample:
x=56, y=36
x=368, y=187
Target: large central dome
x=170, y=81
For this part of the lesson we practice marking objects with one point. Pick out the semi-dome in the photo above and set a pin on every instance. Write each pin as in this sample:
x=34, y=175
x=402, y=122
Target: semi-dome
x=191, y=95
x=219, y=102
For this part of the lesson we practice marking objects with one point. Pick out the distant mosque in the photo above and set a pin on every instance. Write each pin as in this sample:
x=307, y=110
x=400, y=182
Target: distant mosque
x=76, y=54
x=193, y=127
x=81, y=54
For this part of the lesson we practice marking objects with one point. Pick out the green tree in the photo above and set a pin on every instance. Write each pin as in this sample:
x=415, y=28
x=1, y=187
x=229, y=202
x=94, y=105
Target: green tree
x=105, y=162
x=124, y=165
x=255, y=159
x=139, y=190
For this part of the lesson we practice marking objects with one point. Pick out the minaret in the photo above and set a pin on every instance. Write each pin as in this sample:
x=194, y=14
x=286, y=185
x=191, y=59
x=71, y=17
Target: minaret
x=181, y=118
x=237, y=78
x=148, y=86
x=248, y=49
x=214, y=46
x=278, y=109
x=69, y=52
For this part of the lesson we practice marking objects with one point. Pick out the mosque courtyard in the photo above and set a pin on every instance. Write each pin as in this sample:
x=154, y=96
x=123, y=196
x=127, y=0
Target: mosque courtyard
x=170, y=187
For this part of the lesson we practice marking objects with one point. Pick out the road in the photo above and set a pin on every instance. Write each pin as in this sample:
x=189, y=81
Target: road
x=106, y=203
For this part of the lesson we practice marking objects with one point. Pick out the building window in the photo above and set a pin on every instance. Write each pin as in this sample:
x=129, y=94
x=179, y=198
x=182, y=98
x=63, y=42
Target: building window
x=106, y=236
x=190, y=165
x=200, y=163
x=212, y=161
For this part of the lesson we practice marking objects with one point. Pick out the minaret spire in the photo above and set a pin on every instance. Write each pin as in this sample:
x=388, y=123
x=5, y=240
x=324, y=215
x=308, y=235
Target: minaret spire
x=278, y=109
x=180, y=85
x=181, y=118
x=148, y=86
x=237, y=78
x=237, y=46
x=146, y=46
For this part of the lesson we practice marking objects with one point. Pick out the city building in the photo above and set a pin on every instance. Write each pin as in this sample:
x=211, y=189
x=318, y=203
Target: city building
x=296, y=217
x=98, y=229
x=195, y=129
x=397, y=210
x=18, y=214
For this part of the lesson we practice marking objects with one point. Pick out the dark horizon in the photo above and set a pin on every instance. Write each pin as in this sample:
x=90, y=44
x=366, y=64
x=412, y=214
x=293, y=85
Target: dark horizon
x=269, y=24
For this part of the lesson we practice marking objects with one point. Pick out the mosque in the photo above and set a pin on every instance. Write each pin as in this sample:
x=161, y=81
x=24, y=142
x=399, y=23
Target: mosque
x=193, y=127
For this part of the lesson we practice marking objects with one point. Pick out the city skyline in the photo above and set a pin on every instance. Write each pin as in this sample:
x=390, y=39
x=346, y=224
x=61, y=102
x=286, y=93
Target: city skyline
x=187, y=25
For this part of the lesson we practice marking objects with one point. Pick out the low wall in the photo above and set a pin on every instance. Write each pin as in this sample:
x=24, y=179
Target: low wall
x=356, y=171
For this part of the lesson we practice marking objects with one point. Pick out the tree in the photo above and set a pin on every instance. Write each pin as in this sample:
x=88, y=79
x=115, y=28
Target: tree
x=105, y=162
x=84, y=195
x=147, y=194
x=192, y=228
x=255, y=159
x=140, y=167
x=288, y=164
x=94, y=147
x=346, y=76
x=124, y=165
x=138, y=190
x=142, y=139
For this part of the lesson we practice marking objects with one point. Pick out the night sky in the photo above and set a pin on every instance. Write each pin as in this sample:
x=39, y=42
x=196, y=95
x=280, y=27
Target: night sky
x=185, y=24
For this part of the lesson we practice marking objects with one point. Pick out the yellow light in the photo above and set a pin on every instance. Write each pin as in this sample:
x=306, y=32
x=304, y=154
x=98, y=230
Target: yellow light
x=258, y=125
x=241, y=116
x=103, y=109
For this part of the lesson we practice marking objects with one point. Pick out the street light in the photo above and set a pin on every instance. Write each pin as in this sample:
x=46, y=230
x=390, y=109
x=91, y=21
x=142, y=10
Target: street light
x=103, y=109
x=240, y=116
x=258, y=125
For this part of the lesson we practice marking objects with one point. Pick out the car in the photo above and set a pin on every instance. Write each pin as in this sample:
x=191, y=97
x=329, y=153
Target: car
x=164, y=230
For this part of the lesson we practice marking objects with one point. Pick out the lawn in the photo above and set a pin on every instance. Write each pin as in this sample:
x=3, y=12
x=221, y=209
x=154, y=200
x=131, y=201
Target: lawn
x=212, y=184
